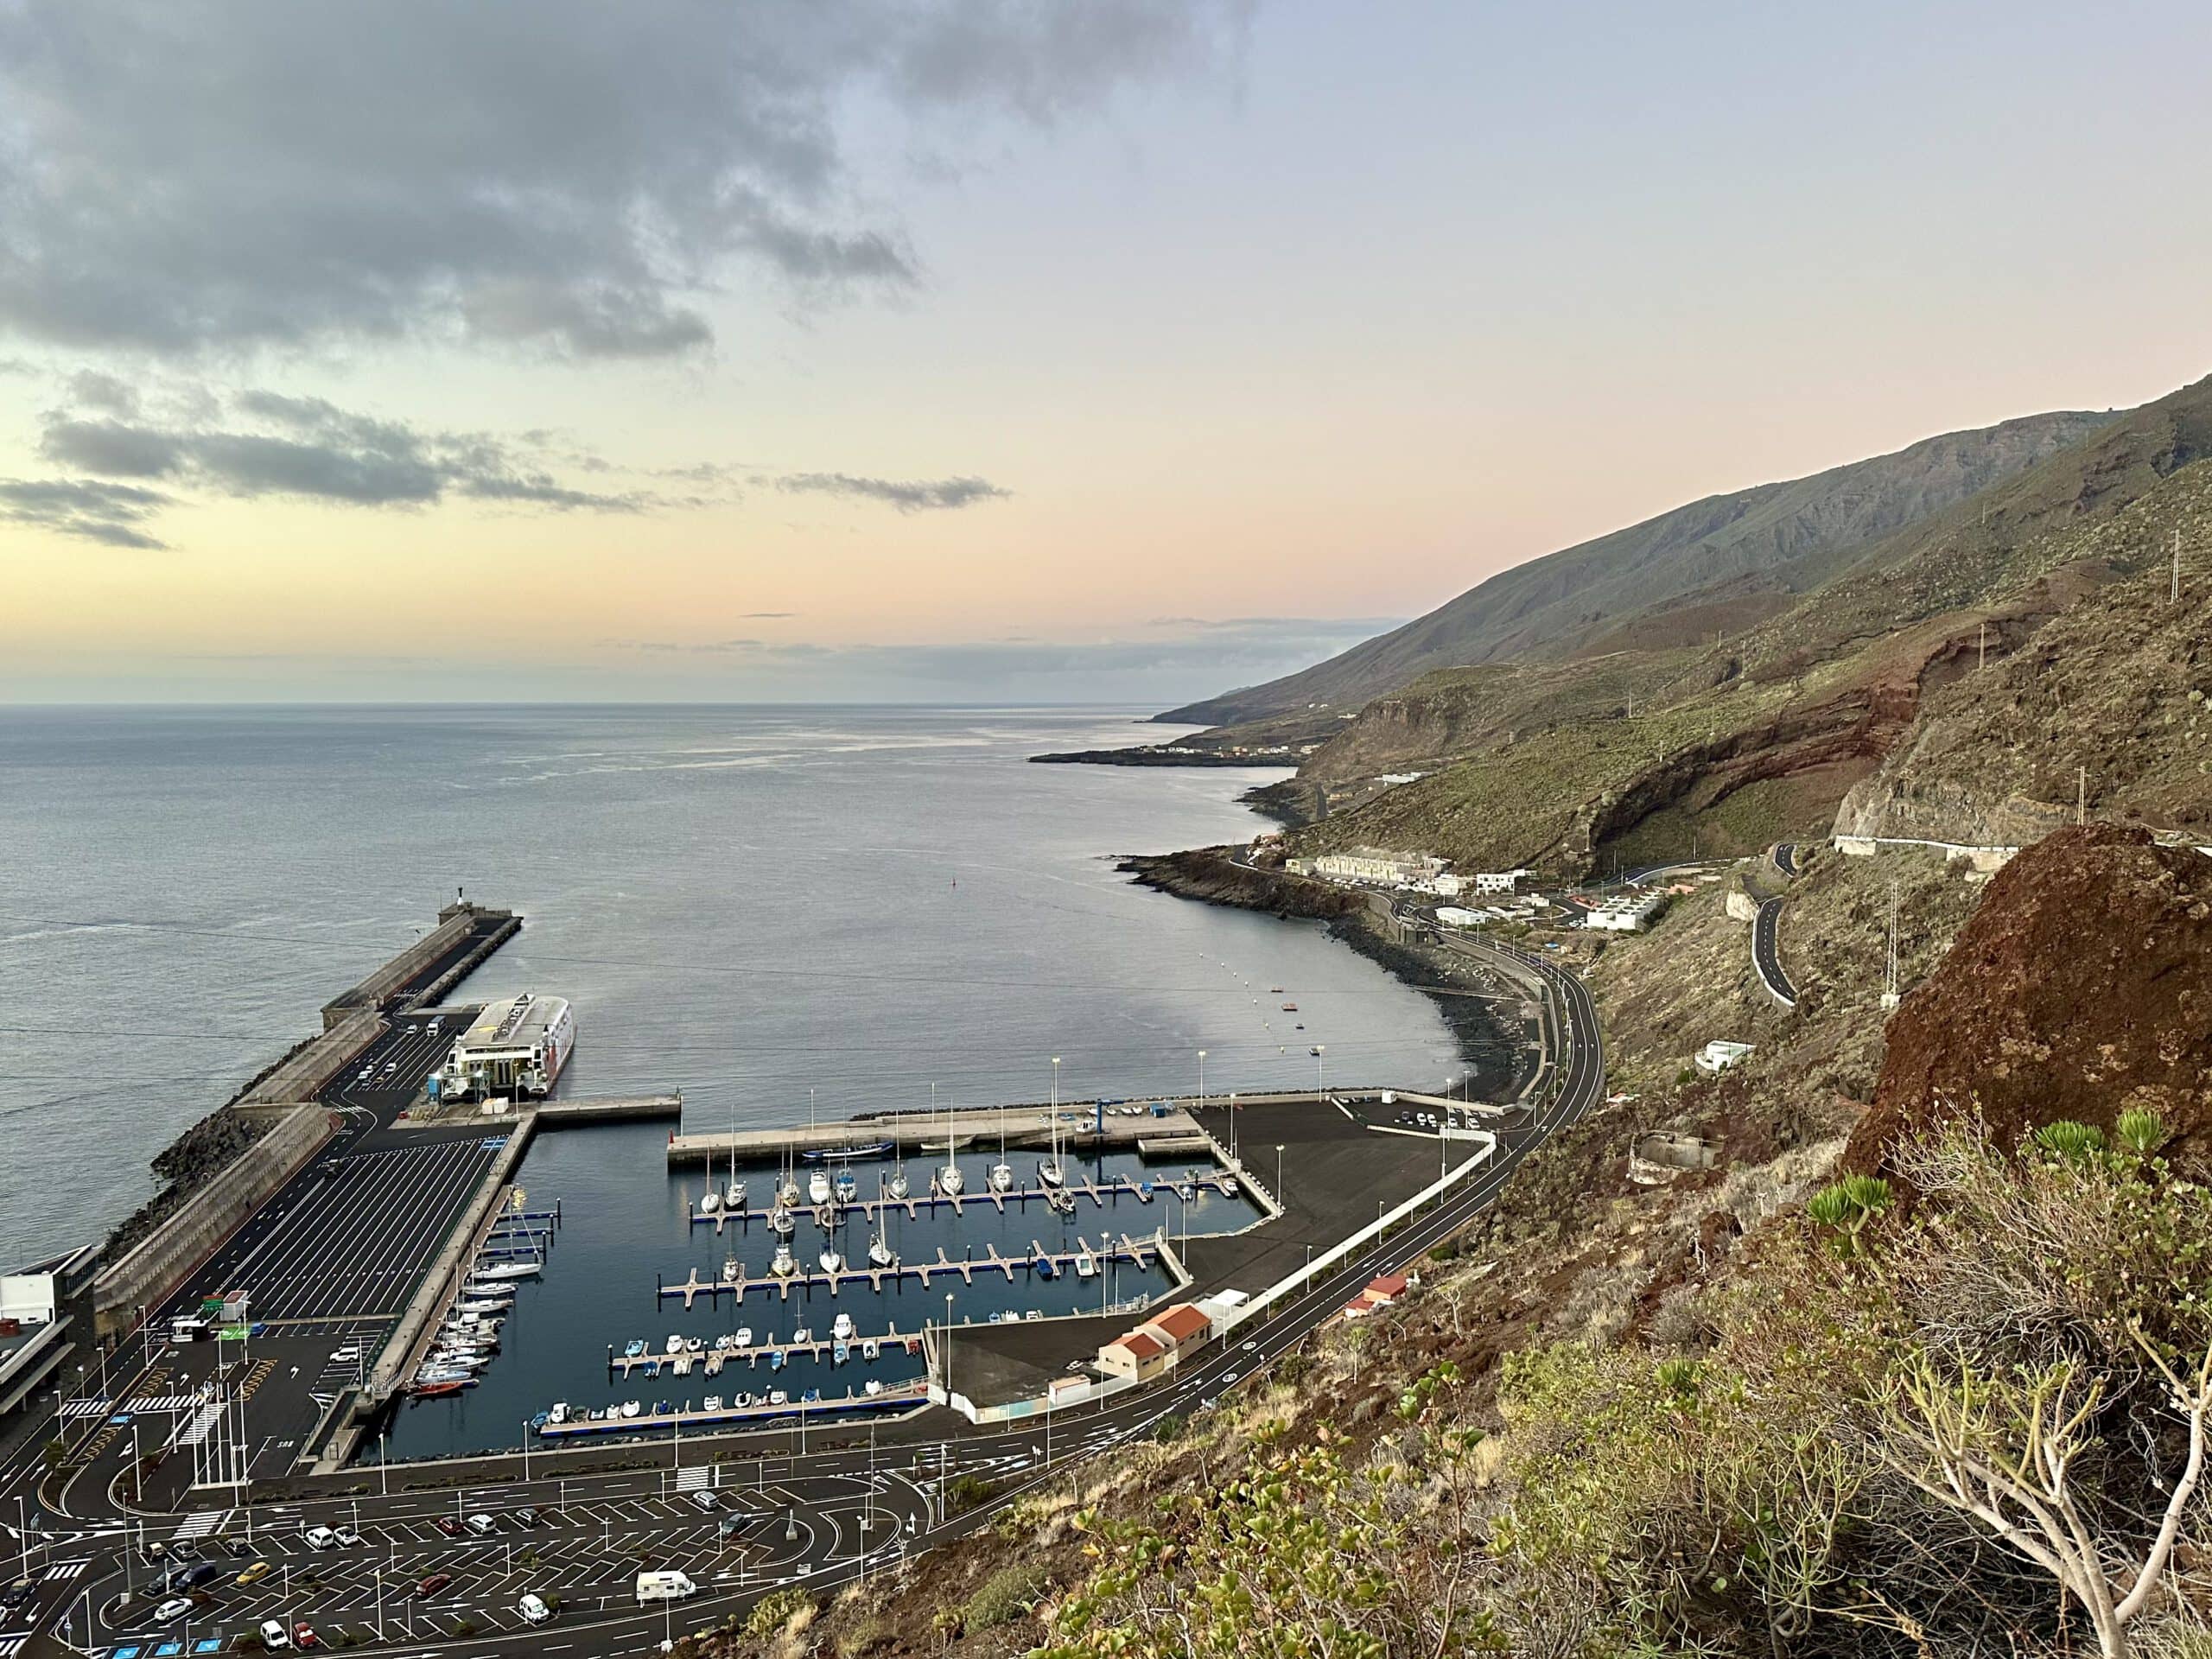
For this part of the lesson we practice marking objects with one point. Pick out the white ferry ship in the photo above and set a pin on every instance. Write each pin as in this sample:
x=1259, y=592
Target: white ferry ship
x=516, y=1047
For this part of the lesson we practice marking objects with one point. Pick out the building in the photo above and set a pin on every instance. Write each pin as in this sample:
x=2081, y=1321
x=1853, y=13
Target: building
x=1627, y=913
x=513, y=1047
x=1181, y=1329
x=1718, y=1055
x=1137, y=1358
x=1499, y=880
x=1382, y=1291
x=1372, y=864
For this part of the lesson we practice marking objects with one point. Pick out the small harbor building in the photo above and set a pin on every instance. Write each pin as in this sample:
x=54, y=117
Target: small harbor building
x=1626, y=913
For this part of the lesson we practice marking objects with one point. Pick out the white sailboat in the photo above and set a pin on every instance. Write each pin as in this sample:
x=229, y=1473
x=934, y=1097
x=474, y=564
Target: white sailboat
x=783, y=1266
x=733, y=1199
x=1001, y=1172
x=831, y=1261
x=880, y=1254
x=949, y=1180
x=780, y=1220
x=711, y=1199
x=899, y=1187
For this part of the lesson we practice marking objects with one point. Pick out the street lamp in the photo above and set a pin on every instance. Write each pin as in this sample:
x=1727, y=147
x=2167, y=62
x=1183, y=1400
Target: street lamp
x=1278, y=1172
x=1202, y=1079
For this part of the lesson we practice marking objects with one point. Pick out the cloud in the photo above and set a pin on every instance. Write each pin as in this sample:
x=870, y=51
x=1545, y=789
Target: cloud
x=264, y=443
x=570, y=175
x=94, y=511
x=908, y=496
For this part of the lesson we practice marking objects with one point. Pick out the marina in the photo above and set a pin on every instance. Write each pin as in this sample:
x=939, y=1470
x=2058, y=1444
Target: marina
x=1044, y=1264
x=914, y=1206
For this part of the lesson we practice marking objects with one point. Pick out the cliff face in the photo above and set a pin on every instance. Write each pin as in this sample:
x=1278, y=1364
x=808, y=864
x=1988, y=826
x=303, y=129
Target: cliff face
x=1713, y=564
x=2081, y=987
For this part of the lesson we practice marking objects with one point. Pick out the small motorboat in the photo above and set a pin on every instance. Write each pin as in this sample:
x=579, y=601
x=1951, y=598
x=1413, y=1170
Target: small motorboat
x=873, y=1387
x=682, y=1366
x=740, y=1402
x=842, y=1330
x=559, y=1414
x=817, y=1188
x=775, y=1359
x=652, y=1369
x=1034, y=1314
x=675, y=1346
x=783, y=1265
x=870, y=1349
x=847, y=1188
x=660, y=1407
x=715, y=1363
x=831, y=1261
x=1047, y=1268
x=692, y=1344
x=839, y=1353
x=1229, y=1186
x=1144, y=1191
x=778, y=1397
x=1086, y=1265
x=1061, y=1199
x=630, y=1407
x=743, y=1338
x=811, y=1397
x=635, y=1348
x=881, y=1254
x=712, y=1402
x=997, y=1318
x=802, y=1334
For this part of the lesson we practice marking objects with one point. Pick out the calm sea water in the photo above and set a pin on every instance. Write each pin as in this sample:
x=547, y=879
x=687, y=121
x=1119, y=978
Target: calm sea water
x=744, y=904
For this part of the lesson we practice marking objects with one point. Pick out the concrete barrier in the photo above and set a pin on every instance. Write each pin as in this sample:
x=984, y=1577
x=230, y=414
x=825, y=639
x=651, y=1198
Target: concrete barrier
x=454, y=922
x=143, y=1278
x=306, y=1073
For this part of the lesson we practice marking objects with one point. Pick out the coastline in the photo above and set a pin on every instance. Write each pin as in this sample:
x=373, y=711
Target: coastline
x=1208, y=875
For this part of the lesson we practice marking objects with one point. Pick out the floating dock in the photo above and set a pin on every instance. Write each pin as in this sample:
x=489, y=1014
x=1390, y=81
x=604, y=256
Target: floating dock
x=713, y=1362
x=1142, y=1254
x=1088, y=1125
x=915, y=1205
x=906, y=1395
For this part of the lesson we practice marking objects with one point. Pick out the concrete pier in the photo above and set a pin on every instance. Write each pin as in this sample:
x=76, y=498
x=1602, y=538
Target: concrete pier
x=1143, y=1253
x=916, y=1204
x=905, y=1397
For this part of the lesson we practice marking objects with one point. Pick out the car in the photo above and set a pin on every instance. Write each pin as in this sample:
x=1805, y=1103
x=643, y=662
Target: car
x=320, y=1538
x=482, y=1524
x=18, y=1593
x=431, y=1585
x=274, y=1637
x=172, y=1610
x=526, y=1517
x=253, y=1575
x=240, y=1550
x=347, y=1538
x=198, y=1574
x=534, y=1610
x=303, y=1636
x=448, y=1525
x=705, y=1500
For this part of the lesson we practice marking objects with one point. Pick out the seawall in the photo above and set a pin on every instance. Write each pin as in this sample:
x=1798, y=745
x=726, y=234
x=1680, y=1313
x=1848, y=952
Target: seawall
x=142, y=1279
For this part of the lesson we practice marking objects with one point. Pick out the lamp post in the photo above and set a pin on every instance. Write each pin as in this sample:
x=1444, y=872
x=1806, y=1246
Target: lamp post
x=1233, y=1127
x=1202, y=1079
x=1279, y=1172
x=948, y=1349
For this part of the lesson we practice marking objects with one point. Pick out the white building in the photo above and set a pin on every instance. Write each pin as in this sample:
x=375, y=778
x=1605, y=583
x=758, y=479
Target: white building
x=1499, y=880
x=1624, y=914
x=1718, y=1055
x=1371, y=864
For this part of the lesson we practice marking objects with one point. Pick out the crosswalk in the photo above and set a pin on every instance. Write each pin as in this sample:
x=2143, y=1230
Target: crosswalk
x=200, y=1524
x=165, y=1402
x=12, y=1645
x=692, y=1480
x=67, y=1570
x=197, y=1430
x=77, y=1410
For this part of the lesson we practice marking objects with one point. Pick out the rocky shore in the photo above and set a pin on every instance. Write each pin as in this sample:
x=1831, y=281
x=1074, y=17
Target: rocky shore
x=1210, y=876
x=1152, y=754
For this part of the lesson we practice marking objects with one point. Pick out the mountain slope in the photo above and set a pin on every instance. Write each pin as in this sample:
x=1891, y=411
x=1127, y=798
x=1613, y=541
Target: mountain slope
x=1739, y=557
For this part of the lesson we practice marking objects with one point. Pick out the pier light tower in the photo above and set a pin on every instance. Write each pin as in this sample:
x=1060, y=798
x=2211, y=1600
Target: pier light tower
x=1202, y=1079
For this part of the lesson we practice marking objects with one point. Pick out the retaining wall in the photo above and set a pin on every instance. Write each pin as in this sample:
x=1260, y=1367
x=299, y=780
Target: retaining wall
x=145, y=1277
x=309, y=1071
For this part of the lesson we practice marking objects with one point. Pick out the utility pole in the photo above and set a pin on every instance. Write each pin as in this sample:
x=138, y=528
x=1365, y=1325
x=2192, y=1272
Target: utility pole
x=1982, y=650
x=2177, y=588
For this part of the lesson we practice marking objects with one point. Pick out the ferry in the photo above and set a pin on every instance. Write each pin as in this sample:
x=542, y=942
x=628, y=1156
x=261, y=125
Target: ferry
x=514, y=1047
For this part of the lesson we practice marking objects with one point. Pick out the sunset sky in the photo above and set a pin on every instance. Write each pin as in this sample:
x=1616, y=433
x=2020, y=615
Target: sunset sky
x=985, y=350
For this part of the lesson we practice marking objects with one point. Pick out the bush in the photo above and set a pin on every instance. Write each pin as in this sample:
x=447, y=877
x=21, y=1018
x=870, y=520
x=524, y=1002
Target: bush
x=1007, y=1595
x=774, y=1611
x=1170, y=1427
x=969, y=1492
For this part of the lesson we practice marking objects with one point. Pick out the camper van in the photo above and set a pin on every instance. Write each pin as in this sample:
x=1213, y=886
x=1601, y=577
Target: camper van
x=664, y=1586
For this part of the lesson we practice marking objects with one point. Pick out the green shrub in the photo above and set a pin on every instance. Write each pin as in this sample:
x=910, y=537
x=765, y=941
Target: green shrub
x=777, y=1608
x=1170, y=1427
x=1007, y=1595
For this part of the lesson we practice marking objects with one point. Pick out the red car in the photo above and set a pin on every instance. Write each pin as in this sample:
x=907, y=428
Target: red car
x=303, y=1636
x=449, y=1526
x=431, y=1585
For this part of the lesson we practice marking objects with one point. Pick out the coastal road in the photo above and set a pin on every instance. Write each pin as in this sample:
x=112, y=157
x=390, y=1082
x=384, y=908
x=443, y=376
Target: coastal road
x=1785, y=857
x=1766, y=953
x=640, y=1516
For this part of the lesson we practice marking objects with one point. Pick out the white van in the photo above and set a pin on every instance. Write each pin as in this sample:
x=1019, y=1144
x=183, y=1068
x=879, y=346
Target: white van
x=664, y=1586
x=533, y=1610
x=321, y=1538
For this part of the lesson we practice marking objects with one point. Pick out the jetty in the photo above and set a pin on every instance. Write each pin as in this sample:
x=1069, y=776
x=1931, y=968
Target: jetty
x=903, y=1395
x=1143, y=1253
x=917, y=1205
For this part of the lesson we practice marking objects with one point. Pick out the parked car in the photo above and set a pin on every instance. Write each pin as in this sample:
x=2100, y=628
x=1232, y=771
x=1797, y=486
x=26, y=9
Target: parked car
x=526, y=1517
x=448, y=1525
x=534, y=1610
x=275, y=1638
x=320, y=1538
x=705, y=1500
x=347, y=1538
x=255, y=1573
x=304, y=1636
x=431, y=1585
x=172, y=1610
x=481, y=1524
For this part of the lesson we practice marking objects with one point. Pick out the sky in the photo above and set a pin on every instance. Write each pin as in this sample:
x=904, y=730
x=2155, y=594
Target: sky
x=1000, y=350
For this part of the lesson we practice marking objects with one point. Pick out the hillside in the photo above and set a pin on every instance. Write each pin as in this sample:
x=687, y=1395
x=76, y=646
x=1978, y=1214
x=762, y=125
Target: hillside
x=1715, y=565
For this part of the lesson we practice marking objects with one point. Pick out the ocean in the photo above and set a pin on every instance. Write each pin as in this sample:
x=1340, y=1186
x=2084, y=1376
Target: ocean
x=767, y=908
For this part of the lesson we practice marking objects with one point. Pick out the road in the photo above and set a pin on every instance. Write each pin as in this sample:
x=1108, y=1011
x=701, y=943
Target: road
x=1766, y=953
x=1785, y=857
x=814, y=1518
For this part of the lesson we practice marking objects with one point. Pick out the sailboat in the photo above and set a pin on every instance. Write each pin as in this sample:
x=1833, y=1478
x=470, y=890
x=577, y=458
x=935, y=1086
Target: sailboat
x=949, y=1180
x=733, y=1200
x=832, y=1262
x=1001, y=1172
x=783, y=1266
x=711, y=1199
x=780, y=1219
x=1050, y=1172
x=898, y=1188
x=880, y=1253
